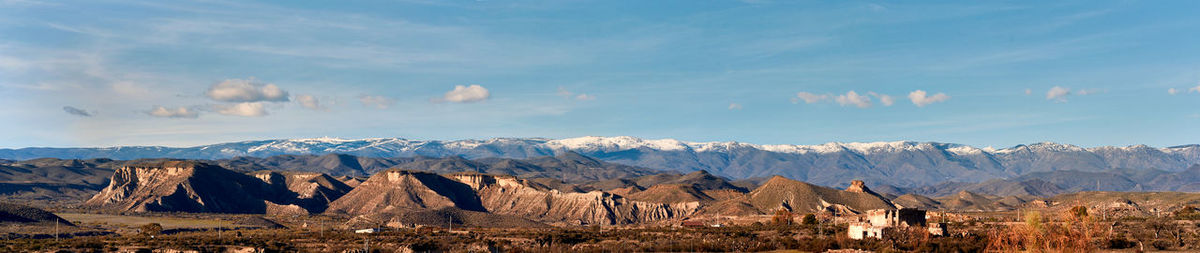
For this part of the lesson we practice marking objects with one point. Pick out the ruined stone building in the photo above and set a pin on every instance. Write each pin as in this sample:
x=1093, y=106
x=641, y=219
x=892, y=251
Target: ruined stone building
x=876, y=223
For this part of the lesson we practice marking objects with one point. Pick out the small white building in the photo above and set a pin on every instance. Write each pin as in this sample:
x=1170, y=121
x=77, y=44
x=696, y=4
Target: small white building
x=366, y=231
x=876, y=223
x=861, y=230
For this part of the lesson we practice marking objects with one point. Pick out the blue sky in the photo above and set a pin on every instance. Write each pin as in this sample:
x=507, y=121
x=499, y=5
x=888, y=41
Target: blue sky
x=1090, y=73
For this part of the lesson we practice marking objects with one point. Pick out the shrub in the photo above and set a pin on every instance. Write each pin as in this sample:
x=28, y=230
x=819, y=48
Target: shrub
x=1162, y=244
x=151, y=229
x=809, y=219
x=1079, y=211
x=1120, y=243
x=782, y=217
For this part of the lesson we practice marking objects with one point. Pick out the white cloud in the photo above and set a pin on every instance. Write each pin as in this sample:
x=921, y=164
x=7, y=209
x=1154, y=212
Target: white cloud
x=1172, y=91
x=810, y=98
x=310, y=102
x=178, y=112
x=252, y=109
x=853, y=98
x=1058, y=94
x=563, y=92
x=921, y=98
x=883, y=98
x=735, y=106
x=467, y=94
x=380, y=102
x=76, y=111
x=1028, y=91
x=1194, y=89
x=239, y=90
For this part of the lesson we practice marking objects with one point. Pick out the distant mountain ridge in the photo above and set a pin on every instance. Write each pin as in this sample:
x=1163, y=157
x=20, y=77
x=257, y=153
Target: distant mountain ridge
x=901, y=163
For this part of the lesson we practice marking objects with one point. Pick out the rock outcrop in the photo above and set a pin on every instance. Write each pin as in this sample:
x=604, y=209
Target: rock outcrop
x=180, y=186
x=190, y=186
x=310, y=191
x=406, y=189
x=396, y=195
x=513, y=196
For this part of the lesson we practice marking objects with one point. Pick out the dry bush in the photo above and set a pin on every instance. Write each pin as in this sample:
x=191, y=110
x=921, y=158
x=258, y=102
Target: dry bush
x=1074, y=231
x=782, y=217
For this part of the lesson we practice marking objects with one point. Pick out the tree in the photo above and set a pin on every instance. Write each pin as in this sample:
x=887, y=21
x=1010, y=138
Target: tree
x=151, y=229
x=1079, y=211
x=809, y=219
x=782, y=217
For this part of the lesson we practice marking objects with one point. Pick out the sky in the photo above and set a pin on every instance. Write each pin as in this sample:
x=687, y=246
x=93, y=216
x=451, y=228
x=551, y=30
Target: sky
x=988, y=73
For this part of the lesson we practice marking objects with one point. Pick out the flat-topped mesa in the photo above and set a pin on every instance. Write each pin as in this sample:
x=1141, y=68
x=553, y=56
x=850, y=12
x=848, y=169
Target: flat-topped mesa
x=479, y=181
x=148, y=170
x=190, y=186
x=185, y=186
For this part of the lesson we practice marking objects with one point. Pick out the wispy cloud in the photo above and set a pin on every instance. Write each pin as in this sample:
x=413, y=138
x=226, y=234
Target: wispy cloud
x=884, y=99
x=1059, y=94
x=1036, y=51
x=310, y=102
x=76, y=111
x=809, y=98
x=563, y=92
x=379, y=102
x=735, y=106
x=178, y=112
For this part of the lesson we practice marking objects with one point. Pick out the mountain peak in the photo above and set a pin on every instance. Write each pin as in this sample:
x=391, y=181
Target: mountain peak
x=776, y=180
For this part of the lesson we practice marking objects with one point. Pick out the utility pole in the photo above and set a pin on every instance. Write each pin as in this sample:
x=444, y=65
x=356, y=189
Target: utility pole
x=451, y=225
x=55, y=230
x=820, y=228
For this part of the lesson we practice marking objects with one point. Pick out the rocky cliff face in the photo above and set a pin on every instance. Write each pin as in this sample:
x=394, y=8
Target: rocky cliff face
x=311, y=191
x=509, y=195
x=188, y=186
x=182, y=186
x=179, y=186
x=405, y=189
x=398, y=190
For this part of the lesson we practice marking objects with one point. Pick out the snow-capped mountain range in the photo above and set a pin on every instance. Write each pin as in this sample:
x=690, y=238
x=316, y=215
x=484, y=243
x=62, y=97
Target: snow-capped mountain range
x=901, y=163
